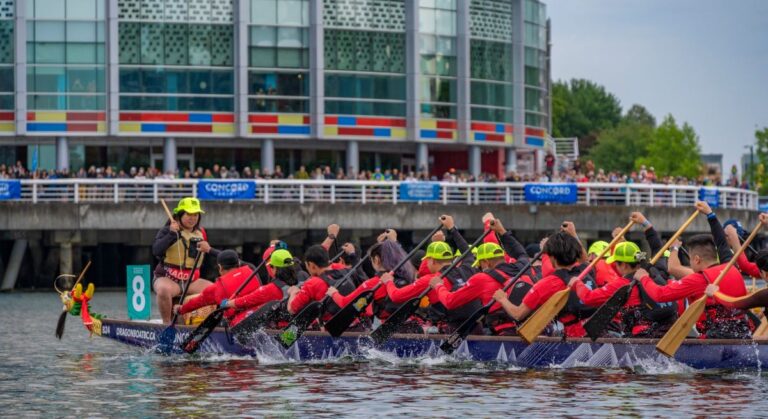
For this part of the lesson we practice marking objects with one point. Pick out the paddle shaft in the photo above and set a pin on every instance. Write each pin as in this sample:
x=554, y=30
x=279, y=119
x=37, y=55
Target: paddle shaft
x=338, y=255
x=674, y=237
x=167, y=211
x=458, y=260
x=738, y=253
x=247, y=280
x=82, y=274
x=602, y=253
x=185, y=287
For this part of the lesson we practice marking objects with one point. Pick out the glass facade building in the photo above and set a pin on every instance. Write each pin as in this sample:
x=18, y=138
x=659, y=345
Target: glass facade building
x=415, y=79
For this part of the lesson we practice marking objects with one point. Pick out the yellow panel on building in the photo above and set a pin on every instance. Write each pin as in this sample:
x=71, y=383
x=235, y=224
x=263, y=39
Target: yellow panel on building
x=7, y=127
x=331, y=131
x=428, y=124
x=50, y=117
x=130, y=127
x=290, y=119
x=223, y=128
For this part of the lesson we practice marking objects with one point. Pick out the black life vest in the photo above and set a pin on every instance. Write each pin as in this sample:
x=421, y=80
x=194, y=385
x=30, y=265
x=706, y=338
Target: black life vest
x=384, y=307
x=333, y=278
x=438, y=312
x=574, y=309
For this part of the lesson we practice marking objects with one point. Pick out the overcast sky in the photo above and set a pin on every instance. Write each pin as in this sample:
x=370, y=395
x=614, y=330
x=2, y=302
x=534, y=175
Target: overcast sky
x=703, y=61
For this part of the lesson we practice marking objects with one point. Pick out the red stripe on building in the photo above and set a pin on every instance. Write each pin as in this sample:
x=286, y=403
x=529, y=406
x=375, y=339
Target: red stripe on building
x=509, y=129
x=380, y=122
x=223, y=117
x=264, y=129
x=85, y=116
x=446, y=124
x=331, y=120
x=263, y=119
x=445, y=134
x=306, y=119
x=30, y=116
x=130, y=116
x=535, y=132
x=356, y=131
x=164, y=117
x=494, y=137
x=82, y=127
x=6, y=116
x=479, y=126
x=188, y=128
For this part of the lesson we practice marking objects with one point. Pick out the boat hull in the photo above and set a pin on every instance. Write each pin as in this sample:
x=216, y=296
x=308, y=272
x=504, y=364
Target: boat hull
x=545, y=352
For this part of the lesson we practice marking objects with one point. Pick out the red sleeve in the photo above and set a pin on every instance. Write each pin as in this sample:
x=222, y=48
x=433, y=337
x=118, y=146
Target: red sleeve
x=490, y=237
x=605, y=273
x=206, y=298
x=312, y=290
x=403, y=294
x=747, y=267
x=547, y=268
x=675, y=290
x=541, y=291
x=262, y=295
x=423, y=268
x=596, y=297
x=344, y=300
x=463, y=295
x=205, y=234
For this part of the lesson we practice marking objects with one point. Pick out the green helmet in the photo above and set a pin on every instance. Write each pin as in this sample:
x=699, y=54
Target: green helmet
x=281, y=258
x=598, y=247
x=189, y=205
x=488, y=251
x=624, y=252
x=438, y=251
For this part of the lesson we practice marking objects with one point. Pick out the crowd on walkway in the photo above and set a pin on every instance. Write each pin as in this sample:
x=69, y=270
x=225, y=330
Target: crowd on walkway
x=576, y=173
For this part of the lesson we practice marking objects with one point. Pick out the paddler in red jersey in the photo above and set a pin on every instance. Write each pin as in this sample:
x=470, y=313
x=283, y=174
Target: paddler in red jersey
x=285, y=268
x=640, y=316
x=175, y=246
x=322, y=276
x=496, y=269
x=604, y=272
x=565, y=252
x=231, y=275
x=717, y=321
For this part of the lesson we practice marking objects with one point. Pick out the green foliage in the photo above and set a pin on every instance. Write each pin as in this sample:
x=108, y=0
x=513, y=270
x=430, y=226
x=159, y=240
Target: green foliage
x=761, y=161
x=639, y=115
x=618, y=148
x=582, y=108
x=674, y=151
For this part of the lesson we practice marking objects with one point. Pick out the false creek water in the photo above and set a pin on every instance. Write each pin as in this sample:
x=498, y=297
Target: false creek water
x=82, y=376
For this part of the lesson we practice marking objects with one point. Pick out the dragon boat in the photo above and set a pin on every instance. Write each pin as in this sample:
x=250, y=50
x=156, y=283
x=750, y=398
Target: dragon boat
x=546, y=352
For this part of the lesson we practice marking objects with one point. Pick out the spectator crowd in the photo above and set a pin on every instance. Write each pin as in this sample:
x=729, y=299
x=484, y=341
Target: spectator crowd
x=576, y=173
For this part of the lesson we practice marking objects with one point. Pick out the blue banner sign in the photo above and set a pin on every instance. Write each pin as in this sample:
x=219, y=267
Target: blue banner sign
x=139, y=283
x=419, y=191
x=711, y=196
x=226, y=189
x=560, y=193
x=10, y=189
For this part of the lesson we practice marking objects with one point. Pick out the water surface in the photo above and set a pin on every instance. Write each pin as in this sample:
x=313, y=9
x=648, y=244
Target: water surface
x=42, y=376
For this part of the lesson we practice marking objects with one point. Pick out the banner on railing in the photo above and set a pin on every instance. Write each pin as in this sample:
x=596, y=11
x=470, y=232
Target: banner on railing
x=711, y=196
x=10, y=189
x=226, y=189
x=560, y=193
x=419, y=191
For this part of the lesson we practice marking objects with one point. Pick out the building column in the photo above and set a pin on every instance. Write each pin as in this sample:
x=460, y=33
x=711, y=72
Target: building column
x=463, y=110
x=14, y=264
x=316, y=69
x=474, y=160
x=113, y=68
x=170, y=161
x=65, y=258
x=353, y=159
x=242, y=13
x=511, y=160
x=62, y=153
x=518, y=71
x=267, y=155
x=20, y=65
x=412, y=69
x=422, y=157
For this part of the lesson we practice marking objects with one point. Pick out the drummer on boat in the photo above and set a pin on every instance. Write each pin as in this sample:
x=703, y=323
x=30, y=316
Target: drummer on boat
x=175, y=247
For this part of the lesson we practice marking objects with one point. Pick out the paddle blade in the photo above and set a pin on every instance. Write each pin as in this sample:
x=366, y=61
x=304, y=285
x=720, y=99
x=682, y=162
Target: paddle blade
x=341, y=321
x=454, y=341
x=202, y=331
x=244, y=330
x=597, y=323
x=536, y=322
x=672, y=340
x=761, y=330
x=166, y=339
x=299, y=324
x=60, y=324
x=394, y=321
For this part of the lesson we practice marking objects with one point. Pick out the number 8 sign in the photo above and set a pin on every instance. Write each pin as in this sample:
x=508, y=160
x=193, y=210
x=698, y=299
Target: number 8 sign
x=139, y=306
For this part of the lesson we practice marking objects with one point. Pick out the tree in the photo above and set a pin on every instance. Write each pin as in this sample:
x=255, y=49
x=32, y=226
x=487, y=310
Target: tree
x=619, y=148
x=761, y=160
x=638, y=114
x=582, y=108
x=674, y=151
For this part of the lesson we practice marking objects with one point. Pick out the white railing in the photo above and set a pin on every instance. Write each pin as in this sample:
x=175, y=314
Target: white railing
x=370, y=192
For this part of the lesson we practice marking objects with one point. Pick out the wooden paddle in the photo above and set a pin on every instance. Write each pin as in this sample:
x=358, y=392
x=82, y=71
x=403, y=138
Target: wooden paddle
x=670, y=343
x=405, y=311
x=537, y=321
x=596, y=324
x=344, y=318
x=206, y=327
x=63, y=316
x=454, y=341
